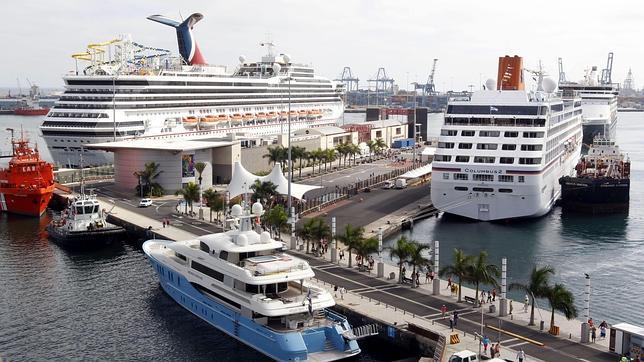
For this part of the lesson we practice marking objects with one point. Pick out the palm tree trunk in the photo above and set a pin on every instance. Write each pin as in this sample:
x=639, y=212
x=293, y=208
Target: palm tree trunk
x=476, y=296
x=400, y=277
x=300, y=172
x=349, y=257
x=307, y=245
x=552, y=319
x=413, y=278
x=210, y=214
x=460, y=282
x=531, y=313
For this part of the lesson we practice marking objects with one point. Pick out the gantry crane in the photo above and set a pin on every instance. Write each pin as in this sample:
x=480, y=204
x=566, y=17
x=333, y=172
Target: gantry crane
x=350, y=82
x=607, y=72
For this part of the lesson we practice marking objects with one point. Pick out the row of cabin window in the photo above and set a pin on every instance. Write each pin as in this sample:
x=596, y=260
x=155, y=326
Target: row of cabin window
x=509, y=134
x=482, y=189
x=483, y=177
x=490, y=146
x=489, y=159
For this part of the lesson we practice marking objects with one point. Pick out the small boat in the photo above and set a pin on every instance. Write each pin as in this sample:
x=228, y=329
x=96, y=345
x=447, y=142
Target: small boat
x=261, y=117
x=208, y=122
x=83, y=225
x=31, y=111
x=241, y=282
x=27, y=184
x=249, y=117
x=190, y=122
x=283, y=116
x=272, y=116
x=302, y=114
x=236, y=120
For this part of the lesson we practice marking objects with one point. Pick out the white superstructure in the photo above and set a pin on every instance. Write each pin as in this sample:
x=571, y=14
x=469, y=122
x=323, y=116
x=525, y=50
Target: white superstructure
x=144, y=92
x=501, y=152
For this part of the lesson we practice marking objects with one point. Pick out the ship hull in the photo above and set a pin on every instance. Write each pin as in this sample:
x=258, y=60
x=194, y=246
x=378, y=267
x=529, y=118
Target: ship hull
x=595, y=195
x=286, y=346
x=31, y=112
x=89, y=239
x=25, y=202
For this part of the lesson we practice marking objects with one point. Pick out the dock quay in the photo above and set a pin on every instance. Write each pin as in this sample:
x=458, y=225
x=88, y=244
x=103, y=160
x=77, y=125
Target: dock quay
x=408, y=318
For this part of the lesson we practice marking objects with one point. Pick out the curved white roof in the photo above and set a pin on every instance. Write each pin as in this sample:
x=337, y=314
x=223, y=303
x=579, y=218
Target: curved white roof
x=242, y=180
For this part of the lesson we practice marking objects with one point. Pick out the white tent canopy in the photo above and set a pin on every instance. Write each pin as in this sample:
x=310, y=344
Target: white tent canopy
x=418, y=172
x=242, y=180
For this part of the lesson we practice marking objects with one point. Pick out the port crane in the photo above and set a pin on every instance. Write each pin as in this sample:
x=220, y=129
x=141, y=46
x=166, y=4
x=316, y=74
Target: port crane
x=562, y=74
x=428, y=88
x=607, y=72
x=350, y=82
x=384, y=86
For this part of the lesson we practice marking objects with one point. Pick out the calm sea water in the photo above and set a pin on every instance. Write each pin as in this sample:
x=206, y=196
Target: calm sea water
x=609, y=248
x=104, y=305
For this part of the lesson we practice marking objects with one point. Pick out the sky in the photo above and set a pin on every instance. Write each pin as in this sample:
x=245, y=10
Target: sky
x=404, y=37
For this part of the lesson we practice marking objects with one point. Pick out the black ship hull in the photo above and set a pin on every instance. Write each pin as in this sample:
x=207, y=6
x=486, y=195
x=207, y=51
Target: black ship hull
x=595, y=195
x=89, y=239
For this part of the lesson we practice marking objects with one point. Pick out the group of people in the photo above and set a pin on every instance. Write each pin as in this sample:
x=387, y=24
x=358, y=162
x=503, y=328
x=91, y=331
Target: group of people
x=488, y=297
x=593, y=330
x=165, y=221
x=495, y=348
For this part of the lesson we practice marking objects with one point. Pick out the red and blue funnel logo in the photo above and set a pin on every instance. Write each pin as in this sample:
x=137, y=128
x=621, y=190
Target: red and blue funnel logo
x=188, y=47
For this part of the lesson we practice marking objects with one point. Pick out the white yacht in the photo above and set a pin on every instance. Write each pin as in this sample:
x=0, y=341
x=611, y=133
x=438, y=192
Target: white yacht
x=598, y=102
x=502, y=151
x=129, y=90
x=241, y=282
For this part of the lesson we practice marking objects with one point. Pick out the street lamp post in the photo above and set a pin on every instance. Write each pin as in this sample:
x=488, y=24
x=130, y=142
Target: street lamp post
x=585, y=327
x=292, y=219
x=381, y=264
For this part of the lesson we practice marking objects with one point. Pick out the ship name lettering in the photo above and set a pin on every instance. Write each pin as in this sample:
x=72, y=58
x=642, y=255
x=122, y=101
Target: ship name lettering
x=494, y=172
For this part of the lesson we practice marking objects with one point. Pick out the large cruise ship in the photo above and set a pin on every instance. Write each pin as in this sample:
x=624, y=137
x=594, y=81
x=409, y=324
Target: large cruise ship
x=129, y=90
x=502, y=151
x=242, y=283
x=598, y=102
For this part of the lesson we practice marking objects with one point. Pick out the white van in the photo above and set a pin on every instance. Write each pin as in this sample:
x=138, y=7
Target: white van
x=463, y=356
x=401, y=183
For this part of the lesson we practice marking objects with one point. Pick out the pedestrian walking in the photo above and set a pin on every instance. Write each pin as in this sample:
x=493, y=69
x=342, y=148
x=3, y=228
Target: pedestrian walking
x=431, y=276
x=342, y=292
x=526, y=301
x=335, y=291
x=511, y=308
x=494, y=295
x=451, y=322
x=489, y=296
x=427, y=277
x=492, y=350
x=593, y=333
x=486, y=342
x=602, y=332
x=455, y=318
x=497, y=349
x=417, y=279
x=163, y=222
x=449, y=282
x=341, y=255
x=521, y=355
x=443, y=310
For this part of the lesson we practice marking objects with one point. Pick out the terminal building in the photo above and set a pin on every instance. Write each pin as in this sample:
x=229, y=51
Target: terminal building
x=176, y=159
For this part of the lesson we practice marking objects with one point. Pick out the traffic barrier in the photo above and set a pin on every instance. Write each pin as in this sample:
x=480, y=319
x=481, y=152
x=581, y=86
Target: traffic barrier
x=454, y=339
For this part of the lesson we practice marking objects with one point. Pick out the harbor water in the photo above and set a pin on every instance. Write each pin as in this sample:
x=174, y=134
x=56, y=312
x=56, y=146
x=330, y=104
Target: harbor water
x=108, y=304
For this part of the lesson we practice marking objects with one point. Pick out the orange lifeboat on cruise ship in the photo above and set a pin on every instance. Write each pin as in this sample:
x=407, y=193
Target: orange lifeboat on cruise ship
x=236, y=119
x=272, y=116
x=302, y=114
x=208, y=122
x=249, y=117
x=190, y=122
x=261, y=117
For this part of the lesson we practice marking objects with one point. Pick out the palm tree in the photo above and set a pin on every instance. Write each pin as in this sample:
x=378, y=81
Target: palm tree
x=537, y=286
x=299, y=153
x=355, y=150
x=329, y=156
x=264, y=192
x=146, y=179
x=276, y=218
x=214, y=201
x=417, y=257
x=352, y=236
x=561, y=299
x=304, y=232
x=199, y=167
x=401, y=250
x=275, y=154
x=460, y=268
x=372, y=147
x=364, y=247
x=482, y=272
x=319, y=230
x=380, y=145
x=190, y=194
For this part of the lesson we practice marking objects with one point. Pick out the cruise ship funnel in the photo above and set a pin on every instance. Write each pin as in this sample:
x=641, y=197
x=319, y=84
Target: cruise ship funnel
x=188, y=47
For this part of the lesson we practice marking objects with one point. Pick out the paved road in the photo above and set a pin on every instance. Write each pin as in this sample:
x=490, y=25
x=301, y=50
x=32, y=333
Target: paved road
x=350, y=175
x=427, y=306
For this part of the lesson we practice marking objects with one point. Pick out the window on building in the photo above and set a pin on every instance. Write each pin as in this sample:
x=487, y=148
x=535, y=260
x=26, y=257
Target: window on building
x=531, y=147
x=483, y=159
x=532, y=134
x=467, y=133
x=442, y=158
x=460, y=188
x=521, y=179
x=507, y=147
x=445, y=144
x=461, y=176
x=486, y=146
x=529, y=160
x=506, y=160
x=465, y=146
x=506, y=178
x=489, y=133
x=483, y=189
x=445, y=176
x=378, y=134
x=449, y=132
x=398, y=131
x=462, y=159
x=512, y=134
x=482, y=177
x=506, y=191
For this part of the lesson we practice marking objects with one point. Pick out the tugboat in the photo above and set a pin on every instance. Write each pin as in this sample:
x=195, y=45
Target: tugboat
x=83, y=225
x=602, y=184
x=27, y=184
x=241, y=282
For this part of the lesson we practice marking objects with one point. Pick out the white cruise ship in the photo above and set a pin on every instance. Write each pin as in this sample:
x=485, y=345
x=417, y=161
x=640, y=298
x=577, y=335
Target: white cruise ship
x=242, y=283
x=502, y=151
x=130, y=90
x=598, y=102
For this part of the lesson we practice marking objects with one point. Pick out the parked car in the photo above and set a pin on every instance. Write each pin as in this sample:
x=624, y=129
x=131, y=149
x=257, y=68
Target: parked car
x=463, y=356
x=145, y=202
